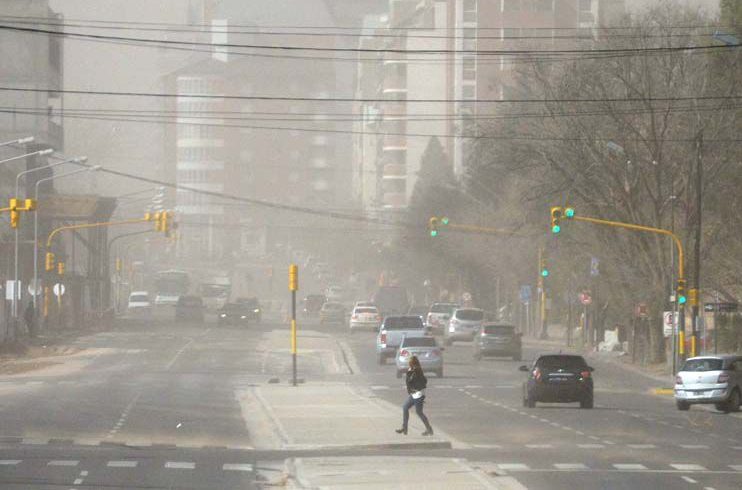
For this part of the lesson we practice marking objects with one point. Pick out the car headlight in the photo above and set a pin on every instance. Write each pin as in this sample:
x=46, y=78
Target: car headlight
x=243, y=317
x=223, y=315
x=256, y=310
x=451, y=328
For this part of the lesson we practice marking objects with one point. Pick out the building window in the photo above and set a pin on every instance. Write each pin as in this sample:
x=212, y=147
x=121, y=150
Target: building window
x=470, y=10
x=469, y=91
x=469, y=68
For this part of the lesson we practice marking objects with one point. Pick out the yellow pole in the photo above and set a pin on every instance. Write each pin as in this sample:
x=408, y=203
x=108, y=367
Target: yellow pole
x=681, y=343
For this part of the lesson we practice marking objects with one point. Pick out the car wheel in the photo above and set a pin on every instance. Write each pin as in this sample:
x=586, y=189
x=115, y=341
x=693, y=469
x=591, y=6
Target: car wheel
x=734, y=401
x=682, y=406
x=381, y=359
x=587, y=402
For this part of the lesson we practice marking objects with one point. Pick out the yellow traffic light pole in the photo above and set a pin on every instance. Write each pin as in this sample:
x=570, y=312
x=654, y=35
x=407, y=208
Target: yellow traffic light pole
x=680, y=288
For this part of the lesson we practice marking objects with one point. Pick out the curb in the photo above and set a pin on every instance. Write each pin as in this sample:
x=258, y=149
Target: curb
x=370, y=447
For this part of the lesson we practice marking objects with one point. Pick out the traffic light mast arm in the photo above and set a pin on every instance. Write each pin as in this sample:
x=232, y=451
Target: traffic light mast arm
x=483, y=230
x=93, y=225
x=648, y=229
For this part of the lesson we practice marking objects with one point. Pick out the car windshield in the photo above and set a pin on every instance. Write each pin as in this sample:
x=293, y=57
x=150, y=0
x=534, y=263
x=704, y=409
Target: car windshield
x=366, y=310
x=442, y=308
x=561, y=362
x=139, y=298
x=419, y=342
x=700, y=365
x=498, y=330
x=403, y=323
x=470, y=315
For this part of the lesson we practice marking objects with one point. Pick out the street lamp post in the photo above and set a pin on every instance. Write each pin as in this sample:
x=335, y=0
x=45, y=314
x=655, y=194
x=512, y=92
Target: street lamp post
x=36, y=221
x=19, y=141
x=16, y=289
x=33, y=153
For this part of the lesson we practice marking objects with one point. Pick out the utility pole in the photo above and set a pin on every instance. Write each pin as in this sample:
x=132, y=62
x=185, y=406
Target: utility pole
x=697, y=251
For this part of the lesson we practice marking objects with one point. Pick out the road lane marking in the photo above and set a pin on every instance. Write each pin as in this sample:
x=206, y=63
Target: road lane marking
x=177, y=354
x=688, y=467
x=512, y=466
x=180, y=465
x=77, y=481
x=237, y=467
x=688, y=479
x=487, y=446
x=641, y=446
x=694, y=446
x=629, y=466
x=539, y=446
x=736, y=467
x=570, y=466
x=591, y=446
x=9, y=462
x=122, y=464
x=63, y=462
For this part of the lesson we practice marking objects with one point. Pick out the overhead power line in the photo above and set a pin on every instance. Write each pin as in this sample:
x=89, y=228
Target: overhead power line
x=356, y=99
x=297, y=48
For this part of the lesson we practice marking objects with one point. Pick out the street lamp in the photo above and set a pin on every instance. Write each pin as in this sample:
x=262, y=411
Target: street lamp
x=16, y=289
x=18, y=157
x=20, y=141
x=36, y=221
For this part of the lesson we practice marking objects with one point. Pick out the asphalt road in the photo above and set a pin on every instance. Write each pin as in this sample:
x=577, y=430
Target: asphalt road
x=152, y=405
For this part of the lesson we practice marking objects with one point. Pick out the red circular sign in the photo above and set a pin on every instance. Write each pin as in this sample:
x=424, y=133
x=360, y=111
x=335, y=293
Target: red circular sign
x=585, y=298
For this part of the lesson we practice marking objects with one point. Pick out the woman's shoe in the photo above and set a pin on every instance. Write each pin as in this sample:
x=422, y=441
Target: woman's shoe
x=401, y=431
x=428, y=432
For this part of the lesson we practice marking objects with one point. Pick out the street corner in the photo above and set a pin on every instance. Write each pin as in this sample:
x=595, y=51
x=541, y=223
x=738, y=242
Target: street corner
x=395, y=472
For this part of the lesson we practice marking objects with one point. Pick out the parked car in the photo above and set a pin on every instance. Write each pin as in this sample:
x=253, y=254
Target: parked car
x=234, y=314
x=332, y=312
x=190, y=308
x=464, y=324
x=427, y=351
x=560, y=378
x=313, y=304
x=393, y=329
x=439, y=315
x=496, y=339
x=364, y=317
x=139, y=304
x=710, y=379
x=252, y=308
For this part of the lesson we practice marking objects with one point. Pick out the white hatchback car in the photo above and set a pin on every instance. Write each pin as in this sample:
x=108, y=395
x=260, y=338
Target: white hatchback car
x=710, y=380
x=139, y=304
x=365, y=317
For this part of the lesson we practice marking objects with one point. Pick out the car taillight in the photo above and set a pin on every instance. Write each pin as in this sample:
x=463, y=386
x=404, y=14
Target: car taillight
x=354, y=317
x=585, y=374
x=678, y=380
x=723, y=378
x=483, y=334
x=382, y=338
x=404, y=353
x=537, y=374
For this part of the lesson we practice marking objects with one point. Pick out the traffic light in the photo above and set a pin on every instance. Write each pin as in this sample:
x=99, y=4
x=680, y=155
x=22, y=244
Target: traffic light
x=681, y=299
x=164, y=222
x=444, y=220
x=433, y=226
x=569, y=213
x=15, y=214
x=60, y=268
x=157, y=217
x=49, y=261
x=556, y=215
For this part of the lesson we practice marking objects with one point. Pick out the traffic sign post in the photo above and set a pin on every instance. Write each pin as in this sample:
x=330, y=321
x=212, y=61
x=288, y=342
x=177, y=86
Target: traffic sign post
x=293, y=287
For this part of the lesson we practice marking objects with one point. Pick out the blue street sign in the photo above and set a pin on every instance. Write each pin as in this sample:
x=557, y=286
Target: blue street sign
x=525, y=293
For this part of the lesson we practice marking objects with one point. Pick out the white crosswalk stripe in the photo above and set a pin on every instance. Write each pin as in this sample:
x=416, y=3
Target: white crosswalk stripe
x=512, y=466
x=629, y=466
x=570, y=466
x=688, y=467
x=694, y=446
x=180, y=465
x=736, y=467
x=62, y=462
x=9, y=462
x=641, y=446
x=237, y=467
x=122, y=464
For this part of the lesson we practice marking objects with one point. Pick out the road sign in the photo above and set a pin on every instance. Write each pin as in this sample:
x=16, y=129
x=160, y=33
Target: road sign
x=34, y=289
x=10, y=290
x=641, y=310
x=667, y=323
x=585, y=298
x=594, y=267
x=58, y=289
x=525, y=293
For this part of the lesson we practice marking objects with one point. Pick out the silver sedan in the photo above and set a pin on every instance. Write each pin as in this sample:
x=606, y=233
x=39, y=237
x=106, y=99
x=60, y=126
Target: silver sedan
x=427, y=351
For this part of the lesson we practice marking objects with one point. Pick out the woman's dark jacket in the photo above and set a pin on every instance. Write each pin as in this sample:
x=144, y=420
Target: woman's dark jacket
x=415, y=380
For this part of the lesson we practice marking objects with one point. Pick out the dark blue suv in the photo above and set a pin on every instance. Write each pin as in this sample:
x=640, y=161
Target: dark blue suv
x=561, y=378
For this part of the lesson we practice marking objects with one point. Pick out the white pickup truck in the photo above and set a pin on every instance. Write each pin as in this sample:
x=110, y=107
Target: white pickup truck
x=393, y=329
